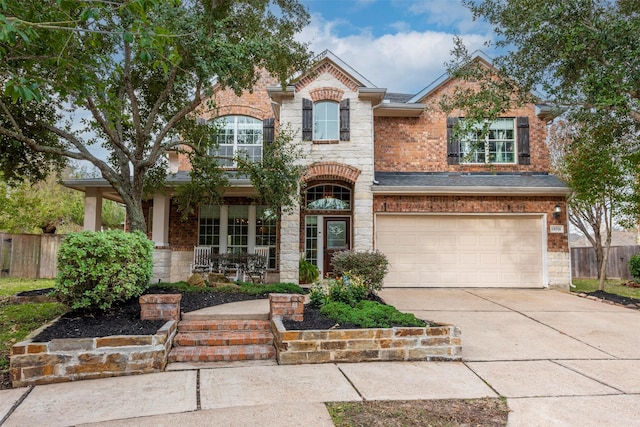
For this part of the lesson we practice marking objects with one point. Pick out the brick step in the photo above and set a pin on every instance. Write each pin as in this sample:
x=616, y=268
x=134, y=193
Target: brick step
x=223, y=338
x=222, y=353
x=223, y=325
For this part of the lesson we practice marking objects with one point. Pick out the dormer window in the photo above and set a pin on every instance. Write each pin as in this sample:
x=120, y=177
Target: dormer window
x=238, y=136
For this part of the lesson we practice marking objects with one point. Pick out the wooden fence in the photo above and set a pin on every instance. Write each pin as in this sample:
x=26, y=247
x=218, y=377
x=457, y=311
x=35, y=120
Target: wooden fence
x=583, y=262
x=31, y=256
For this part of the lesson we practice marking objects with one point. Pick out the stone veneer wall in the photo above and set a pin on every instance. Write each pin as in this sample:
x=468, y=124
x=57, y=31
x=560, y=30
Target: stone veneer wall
x=441, y=343
x=62, y=360
x=559, y=270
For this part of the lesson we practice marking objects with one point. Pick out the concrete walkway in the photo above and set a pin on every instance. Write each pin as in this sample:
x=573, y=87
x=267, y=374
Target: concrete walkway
x=558, y=359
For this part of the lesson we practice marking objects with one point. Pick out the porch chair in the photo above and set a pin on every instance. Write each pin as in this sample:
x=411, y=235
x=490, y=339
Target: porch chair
x=201, y=260
x=256, y=266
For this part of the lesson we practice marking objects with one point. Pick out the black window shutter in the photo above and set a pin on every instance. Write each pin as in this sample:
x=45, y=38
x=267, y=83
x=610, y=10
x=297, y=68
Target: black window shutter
x=345, y=134
x=268, y=131
x=524, y=155
x=453, y=144
x=307, y=119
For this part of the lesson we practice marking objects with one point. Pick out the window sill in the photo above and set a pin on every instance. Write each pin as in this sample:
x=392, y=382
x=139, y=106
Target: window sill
x=326, y=141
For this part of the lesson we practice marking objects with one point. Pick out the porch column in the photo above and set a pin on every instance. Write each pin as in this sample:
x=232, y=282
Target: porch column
x=92, y=209
x=160, y=224
x=290, y=246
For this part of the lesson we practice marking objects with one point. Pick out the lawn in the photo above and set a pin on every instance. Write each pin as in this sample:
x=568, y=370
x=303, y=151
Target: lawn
x=613, y=286
x=18, y=320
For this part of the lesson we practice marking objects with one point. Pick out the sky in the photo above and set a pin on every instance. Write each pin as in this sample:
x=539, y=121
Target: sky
x=400, y=45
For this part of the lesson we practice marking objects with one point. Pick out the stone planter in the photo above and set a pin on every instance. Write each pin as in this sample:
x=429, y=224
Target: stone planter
x=61, y=360
x=441, y=343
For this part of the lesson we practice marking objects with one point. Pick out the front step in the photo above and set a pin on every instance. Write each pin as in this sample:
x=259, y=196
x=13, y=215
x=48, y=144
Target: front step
x=222, y=338
x=218, y=340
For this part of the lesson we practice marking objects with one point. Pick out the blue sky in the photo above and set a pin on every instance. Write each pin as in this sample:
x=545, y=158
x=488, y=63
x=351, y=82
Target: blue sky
x=401, y=45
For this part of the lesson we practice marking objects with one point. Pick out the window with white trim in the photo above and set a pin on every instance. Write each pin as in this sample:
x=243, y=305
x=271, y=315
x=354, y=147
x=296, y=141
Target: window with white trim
x=326, y=121
x=498, y=145
x=238, y=136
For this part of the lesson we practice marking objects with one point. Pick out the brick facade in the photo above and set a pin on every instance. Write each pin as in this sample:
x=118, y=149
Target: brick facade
x=376, y=143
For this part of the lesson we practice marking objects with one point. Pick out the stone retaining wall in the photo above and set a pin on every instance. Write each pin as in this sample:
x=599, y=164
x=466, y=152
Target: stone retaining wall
x=441, y=343
x=62, y=360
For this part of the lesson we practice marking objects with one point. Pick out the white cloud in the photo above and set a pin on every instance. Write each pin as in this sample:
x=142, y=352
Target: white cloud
x=406, y=61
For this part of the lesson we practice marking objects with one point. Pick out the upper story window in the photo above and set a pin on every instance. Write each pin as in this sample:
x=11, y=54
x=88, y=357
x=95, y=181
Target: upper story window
x=505, y=142
x=496, y=146
x=328, y=197
x=325, y=121
x=238, y=136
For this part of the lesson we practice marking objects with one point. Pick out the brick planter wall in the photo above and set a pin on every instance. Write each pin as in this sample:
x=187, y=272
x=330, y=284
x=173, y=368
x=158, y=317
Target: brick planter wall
x=441, y=343
x=160, y=306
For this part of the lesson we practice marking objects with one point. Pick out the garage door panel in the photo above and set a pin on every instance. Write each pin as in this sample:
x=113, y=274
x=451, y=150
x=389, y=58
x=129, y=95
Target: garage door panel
x=461, y=251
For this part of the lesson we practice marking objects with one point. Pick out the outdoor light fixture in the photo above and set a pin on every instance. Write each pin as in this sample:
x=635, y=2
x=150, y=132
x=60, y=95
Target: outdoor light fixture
x=557, y=211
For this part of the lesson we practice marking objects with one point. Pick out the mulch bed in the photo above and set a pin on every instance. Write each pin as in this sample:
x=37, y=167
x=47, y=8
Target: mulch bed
x=618, y=299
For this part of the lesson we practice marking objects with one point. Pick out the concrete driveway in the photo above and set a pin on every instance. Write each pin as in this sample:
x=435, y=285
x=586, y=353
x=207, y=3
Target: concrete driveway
x=558, y=359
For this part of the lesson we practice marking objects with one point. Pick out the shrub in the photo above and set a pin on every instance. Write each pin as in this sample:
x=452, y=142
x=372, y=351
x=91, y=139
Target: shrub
x=308, y=273
x=349, y=289
x=102, y=269
x=317, y=295
x=369, y=314
x=371, y=266
x=634, y=267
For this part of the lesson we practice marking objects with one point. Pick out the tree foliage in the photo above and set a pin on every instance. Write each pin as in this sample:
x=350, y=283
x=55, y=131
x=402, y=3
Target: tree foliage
x=593, y=155
x=580, y=54
x=46, y=206
x=133, y=72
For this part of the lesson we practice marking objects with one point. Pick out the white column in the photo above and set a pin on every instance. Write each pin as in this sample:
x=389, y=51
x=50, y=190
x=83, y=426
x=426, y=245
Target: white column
x=224, y=228
x=160, y=224
x=290, y=246
x=251, y=237
x=92, y=209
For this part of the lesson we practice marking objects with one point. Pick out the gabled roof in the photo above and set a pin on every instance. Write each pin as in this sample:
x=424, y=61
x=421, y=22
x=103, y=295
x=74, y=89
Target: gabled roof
x=444, y=78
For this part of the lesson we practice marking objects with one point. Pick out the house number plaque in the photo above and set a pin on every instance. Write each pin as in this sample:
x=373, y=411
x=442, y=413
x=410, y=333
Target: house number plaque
x=557, y=228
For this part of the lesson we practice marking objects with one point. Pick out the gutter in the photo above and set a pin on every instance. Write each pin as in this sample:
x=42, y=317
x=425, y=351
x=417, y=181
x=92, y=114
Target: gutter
x=475, y=191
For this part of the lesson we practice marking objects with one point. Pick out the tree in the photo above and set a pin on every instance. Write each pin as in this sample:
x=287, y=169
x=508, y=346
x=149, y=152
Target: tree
x=46, y=206
x=136, y=72
x=583, y=55
x=592, y=155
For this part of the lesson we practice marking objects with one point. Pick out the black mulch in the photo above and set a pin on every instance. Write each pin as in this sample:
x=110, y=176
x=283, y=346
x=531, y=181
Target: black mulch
x=35, y=292
x=626, y=301
x=313, y=319
x=125, y=319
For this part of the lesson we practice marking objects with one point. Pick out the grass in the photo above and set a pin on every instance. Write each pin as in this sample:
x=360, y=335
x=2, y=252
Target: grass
x=11, y=285
x=18, y=320
x=613, y=286
x=433, y=413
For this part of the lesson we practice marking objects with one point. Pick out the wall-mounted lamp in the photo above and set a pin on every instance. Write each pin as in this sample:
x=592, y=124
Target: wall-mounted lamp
x=557, y=211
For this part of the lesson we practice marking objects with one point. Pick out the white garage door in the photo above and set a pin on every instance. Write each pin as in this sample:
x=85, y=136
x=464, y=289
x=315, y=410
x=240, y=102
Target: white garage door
x=461, y=250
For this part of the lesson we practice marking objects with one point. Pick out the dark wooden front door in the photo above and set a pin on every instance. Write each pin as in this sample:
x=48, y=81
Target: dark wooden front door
x=337, y=237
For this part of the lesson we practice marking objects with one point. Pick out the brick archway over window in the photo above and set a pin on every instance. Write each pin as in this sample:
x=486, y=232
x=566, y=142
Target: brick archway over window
x=329, y=171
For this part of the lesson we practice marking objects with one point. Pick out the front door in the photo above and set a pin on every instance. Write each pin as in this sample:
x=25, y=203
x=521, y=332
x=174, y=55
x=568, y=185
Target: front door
x=337, y=237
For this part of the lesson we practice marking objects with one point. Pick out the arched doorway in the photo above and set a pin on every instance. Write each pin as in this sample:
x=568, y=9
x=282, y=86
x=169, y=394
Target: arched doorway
x=328, y=212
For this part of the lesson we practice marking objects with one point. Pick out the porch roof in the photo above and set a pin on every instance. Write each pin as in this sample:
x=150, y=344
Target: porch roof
x=173, y=180
x=538, y=183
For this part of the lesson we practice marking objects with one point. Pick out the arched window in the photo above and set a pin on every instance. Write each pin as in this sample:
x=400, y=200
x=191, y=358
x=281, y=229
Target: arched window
x=326, y=121
x=328, y=197
x=238, y=135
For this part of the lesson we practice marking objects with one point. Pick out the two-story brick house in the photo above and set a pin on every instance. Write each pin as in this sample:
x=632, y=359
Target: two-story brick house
x=385, y=172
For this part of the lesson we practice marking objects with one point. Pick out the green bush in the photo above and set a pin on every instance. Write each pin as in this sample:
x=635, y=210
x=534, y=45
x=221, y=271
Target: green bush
x=349, y=289
x=634, y=267
x=102, y=269
x=308, y=273
x=317, y=295
x=369, y=314
x=371, y=266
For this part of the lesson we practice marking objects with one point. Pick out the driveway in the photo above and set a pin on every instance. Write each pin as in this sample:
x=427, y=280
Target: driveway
x=558, y=359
